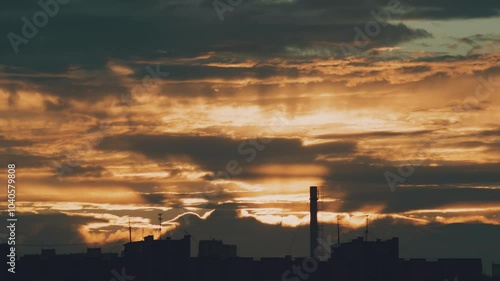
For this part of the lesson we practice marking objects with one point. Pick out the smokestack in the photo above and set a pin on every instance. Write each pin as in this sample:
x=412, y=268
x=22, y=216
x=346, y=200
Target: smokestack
x=313, y=222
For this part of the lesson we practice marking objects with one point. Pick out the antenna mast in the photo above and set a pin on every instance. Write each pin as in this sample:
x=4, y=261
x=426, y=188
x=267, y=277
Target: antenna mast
x=338, y=229
x=366, y=229
x=159, y=219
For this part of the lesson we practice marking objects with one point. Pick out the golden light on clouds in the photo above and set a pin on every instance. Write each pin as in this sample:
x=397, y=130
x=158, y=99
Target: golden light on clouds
x=299, y=115
x=291, y=170
x=120, y=69
x=357, y=220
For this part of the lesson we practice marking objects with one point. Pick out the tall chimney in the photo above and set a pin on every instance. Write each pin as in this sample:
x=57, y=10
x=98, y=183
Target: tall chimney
x=313, y=222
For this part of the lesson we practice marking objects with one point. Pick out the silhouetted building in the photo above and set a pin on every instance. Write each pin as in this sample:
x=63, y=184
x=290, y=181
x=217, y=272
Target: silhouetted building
x=495, y=271
x=48, y=253
x=441, y=269
x=368, y=260
x=158, y=259
x=215, y=249
x=359, y=249
x=162, y=260
x=94, y=252
x=49, y=266
x=158, y=248
x=4, y=251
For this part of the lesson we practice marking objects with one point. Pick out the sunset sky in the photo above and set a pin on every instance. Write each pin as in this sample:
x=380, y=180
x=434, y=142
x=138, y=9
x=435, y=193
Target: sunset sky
x=120, y=110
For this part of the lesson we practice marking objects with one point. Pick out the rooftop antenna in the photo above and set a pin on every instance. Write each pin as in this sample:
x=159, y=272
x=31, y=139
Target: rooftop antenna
x=321, y=228
x=159, y=219
x=366, y=229
x=129, y=231
x=338, y=229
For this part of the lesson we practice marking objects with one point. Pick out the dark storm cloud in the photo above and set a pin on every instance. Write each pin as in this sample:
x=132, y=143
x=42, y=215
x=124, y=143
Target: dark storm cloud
x=49, y=228
x=446, y=9
x=55, y=231
x=87, y=171
x=375, y=135
x=213, y=153
x=87, y=35
x=494, y=70
x=409, y=198
x=181, y=72
x=371, y=171
x=465, y=173
x=493, y=146
x=127, y=30
x=414, y=198
x=361, y=183
x=463, y=240
x=10, y=143
x=52, y=106
x=66, y=82
x=415, y=69
x=80, y=28
x=490, y=133
x=25, y=160
x=243, y=230
x=156, y=199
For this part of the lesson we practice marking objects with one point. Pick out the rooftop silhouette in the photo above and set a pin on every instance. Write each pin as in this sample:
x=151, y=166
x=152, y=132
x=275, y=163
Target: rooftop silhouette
x=170, y=259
